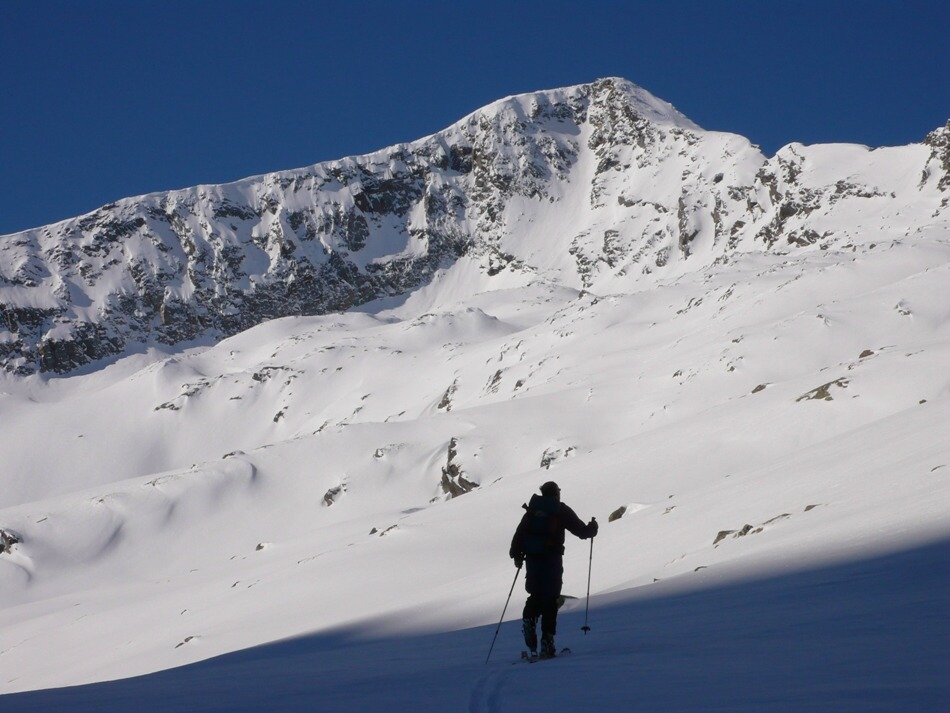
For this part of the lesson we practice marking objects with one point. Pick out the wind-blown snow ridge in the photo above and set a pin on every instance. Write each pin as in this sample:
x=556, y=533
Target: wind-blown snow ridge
x=737, y=364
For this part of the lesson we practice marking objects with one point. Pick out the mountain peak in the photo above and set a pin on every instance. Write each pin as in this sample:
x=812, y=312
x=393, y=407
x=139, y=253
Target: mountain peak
x=595, y=186
x=646, y=104
x=605, y=91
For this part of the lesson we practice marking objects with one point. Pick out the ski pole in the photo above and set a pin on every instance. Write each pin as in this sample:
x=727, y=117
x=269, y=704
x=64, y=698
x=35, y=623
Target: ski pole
x=590, y=565
x=517, y=572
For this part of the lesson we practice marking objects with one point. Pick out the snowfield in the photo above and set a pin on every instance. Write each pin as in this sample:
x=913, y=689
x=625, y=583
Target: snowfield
x=314, y=514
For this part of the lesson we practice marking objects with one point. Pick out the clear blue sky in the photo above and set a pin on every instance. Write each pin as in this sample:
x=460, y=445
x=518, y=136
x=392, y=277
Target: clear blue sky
x=102, y=99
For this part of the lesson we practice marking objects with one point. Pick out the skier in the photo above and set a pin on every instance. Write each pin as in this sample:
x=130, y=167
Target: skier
x=539, y=542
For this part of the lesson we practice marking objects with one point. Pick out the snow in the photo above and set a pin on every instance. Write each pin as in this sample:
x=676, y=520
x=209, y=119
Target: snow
x=259, y=523
x=805, y=640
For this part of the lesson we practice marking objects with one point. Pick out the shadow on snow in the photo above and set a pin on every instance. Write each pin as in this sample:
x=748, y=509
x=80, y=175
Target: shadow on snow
x=861, y=636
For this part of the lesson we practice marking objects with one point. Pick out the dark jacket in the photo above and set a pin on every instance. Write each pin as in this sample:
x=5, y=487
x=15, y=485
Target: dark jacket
x=541, y=530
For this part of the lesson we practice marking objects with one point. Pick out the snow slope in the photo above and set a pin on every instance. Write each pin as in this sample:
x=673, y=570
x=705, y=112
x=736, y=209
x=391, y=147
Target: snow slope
x=796, y=642
x=771, y=422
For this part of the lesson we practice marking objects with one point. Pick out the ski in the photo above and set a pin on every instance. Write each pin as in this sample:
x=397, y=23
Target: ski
x=532, y=657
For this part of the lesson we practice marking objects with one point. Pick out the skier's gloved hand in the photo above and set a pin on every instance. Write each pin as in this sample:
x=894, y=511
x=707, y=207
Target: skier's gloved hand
x=519, y=560
x=593, y=526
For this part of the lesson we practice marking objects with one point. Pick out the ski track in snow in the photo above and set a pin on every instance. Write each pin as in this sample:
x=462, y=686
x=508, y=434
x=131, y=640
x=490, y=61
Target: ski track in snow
x=486, y=695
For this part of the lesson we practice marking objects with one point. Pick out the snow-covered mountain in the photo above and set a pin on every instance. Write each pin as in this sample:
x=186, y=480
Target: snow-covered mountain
x=314, y=401
x=593, y=186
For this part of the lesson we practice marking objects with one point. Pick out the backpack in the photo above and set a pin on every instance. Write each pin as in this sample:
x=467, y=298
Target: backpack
x=542, y=527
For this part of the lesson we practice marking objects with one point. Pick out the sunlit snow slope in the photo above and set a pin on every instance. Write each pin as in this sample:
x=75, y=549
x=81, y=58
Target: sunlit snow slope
x=753, y=398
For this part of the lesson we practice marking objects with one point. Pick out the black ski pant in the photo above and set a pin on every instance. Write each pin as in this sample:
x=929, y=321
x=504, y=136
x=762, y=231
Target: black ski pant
x=543, y=580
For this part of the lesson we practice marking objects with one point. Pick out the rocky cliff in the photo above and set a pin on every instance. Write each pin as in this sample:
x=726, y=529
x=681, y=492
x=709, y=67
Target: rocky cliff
x=591, y=186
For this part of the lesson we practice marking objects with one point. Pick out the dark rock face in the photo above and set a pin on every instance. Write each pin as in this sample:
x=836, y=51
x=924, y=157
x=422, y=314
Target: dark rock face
x=8, y=540
x=334, y=494
x=939, y=143
x=454, y=483
x=208, y=262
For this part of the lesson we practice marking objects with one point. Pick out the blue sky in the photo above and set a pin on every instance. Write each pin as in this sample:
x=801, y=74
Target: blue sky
x=102, y=99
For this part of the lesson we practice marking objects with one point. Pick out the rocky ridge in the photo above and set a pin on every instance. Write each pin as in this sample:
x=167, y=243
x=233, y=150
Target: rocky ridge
x=594, y=187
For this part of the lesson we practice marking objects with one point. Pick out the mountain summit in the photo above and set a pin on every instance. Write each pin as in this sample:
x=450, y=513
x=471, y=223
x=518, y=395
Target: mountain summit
x=595, y=186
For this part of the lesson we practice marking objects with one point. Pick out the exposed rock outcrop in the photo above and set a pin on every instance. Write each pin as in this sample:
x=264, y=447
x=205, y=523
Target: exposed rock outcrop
x=7, y=540
x=454, y=482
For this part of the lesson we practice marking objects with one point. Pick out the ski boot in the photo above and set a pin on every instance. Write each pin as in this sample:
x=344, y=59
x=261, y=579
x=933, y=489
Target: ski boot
x=529, y=629
x=548, y=650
